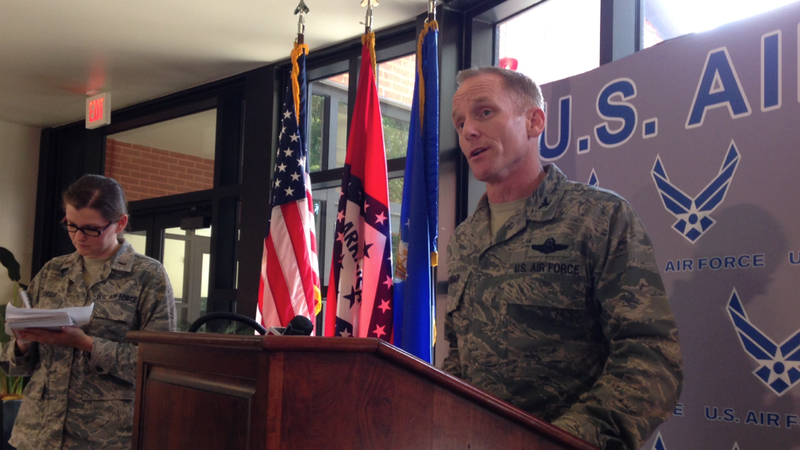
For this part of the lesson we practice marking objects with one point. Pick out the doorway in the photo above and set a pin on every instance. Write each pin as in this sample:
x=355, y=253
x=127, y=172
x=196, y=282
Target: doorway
x=183, y=246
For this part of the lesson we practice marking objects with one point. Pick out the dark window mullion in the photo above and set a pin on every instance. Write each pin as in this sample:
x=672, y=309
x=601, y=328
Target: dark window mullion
x=355, y=63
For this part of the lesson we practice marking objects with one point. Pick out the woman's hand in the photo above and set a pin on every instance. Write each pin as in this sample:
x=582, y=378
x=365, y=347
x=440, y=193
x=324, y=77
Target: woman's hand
x=22, y=345
x=67, y=337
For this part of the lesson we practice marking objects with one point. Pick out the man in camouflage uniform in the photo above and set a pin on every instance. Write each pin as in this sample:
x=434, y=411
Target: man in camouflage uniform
x=555, y=300
x=80, y=399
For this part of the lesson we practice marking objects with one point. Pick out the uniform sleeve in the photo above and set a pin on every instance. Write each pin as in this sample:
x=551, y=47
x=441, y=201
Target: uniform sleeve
x=156, y=312
x=452, y=362
x=12, y=363
x=642, y=378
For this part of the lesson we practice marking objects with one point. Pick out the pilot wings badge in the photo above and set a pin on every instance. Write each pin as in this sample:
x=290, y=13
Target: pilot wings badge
x=693, y=213
x=779, y=364
x=549, y=246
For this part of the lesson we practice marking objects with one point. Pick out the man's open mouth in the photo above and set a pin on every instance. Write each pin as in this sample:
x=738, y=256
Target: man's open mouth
x=477, y=152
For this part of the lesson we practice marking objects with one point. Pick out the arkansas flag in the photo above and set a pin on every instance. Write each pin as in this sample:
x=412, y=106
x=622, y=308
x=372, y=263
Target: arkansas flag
x=360, y=286
x=289, y=271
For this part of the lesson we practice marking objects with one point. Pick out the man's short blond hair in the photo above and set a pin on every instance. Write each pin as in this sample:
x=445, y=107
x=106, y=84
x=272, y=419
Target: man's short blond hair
x=526, y=91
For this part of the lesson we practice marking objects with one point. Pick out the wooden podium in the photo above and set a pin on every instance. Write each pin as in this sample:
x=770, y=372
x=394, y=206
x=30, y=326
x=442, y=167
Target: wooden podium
x=212, y=391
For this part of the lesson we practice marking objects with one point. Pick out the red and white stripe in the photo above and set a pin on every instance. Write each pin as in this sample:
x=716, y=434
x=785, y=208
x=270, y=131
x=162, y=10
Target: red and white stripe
x=289, y=265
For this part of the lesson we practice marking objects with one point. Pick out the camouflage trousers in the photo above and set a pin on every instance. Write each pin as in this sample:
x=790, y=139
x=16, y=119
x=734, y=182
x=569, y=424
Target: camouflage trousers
x=98, y=424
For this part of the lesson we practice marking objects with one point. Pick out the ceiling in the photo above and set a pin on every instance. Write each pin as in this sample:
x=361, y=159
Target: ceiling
x=54, y=52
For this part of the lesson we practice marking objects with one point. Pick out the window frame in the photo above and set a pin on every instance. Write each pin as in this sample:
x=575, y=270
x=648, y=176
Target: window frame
x=401, y=44
x=621, y=30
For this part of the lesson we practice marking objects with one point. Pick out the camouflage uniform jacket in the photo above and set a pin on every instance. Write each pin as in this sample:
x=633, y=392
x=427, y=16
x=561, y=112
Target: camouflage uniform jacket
x=76, y=399
x=564, y=314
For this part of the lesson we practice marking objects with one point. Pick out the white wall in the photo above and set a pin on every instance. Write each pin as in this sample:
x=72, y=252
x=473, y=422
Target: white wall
x=19, y=162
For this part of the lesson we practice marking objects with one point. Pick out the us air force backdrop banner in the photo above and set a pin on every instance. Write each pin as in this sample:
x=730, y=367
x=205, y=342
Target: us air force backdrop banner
x=702, y=135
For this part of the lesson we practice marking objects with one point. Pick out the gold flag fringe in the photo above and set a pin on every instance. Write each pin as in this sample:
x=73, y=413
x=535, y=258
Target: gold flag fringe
x=296, y=52
x=430, y=25
x=369, y=39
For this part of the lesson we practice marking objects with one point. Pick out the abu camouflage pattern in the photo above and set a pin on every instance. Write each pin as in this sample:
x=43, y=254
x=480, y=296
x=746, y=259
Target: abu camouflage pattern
x=84, y=400
x=564, y=314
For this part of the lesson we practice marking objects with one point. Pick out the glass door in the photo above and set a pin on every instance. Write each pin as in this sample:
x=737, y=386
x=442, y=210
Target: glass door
x=182, y=245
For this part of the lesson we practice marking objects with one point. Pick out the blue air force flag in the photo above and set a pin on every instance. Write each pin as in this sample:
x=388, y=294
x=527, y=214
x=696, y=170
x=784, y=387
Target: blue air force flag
x=419, y=219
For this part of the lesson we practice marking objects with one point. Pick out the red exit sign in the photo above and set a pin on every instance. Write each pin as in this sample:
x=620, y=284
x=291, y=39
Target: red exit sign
x=98, y=110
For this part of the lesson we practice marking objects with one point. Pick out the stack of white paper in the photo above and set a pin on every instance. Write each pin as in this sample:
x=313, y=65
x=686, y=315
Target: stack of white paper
x=54, y=319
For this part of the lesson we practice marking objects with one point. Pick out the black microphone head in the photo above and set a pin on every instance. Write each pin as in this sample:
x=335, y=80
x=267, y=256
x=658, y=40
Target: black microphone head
x=299, y=326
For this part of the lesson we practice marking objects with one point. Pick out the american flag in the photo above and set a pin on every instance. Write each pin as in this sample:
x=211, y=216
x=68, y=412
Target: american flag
x=289, y=267
x=361, y=286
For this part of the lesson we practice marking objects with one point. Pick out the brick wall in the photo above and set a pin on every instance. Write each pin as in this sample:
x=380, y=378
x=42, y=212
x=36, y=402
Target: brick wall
x=343, y=79
x=396, y=79
x=145, y=172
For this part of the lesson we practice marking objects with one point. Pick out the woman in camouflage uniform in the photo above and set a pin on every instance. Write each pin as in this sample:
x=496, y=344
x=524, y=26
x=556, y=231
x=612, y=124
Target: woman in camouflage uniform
x=82, y=384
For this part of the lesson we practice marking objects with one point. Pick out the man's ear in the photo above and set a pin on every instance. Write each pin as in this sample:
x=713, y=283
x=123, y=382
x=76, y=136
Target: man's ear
x=535, y=121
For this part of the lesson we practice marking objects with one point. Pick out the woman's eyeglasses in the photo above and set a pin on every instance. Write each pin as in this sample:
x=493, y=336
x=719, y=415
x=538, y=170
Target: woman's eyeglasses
x=88, y=231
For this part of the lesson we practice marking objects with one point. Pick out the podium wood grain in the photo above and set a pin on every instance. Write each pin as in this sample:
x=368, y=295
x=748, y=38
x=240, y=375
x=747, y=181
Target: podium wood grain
x=209, y=391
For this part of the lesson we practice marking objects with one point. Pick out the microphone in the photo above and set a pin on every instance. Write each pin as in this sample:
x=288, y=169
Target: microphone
x=299, y=326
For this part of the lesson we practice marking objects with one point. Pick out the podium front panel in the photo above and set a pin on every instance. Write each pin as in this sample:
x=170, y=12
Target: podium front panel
x=202, y=391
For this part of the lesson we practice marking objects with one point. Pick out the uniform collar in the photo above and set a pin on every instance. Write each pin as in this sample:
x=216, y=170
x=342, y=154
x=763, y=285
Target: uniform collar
x=543, y=204
x=540, y=207
x=122, y=261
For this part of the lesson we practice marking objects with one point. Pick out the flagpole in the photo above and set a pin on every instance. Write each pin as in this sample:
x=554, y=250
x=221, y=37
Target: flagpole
x=415, y=281
x=301, y=10
x=431, y=11
x=299, y=49
x=368, y=19
x=429, y=22
x=361, y=284
x=300, y=93
x=289, y=285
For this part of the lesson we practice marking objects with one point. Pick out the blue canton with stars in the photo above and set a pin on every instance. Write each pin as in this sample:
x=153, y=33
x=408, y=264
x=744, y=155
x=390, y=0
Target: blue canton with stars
x=288, y=180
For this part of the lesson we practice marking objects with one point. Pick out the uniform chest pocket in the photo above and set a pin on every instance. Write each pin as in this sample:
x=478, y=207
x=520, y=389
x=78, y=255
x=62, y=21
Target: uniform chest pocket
x=456, y=306
x=554, y=284
x=455, y=292
x=547, y=305
x=51, y=299
x=112, y=319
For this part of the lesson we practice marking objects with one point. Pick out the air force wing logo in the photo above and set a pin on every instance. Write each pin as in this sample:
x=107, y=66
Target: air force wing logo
x=593, y=180
x=779, y=364
x=693, y=213
x=659, y=443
